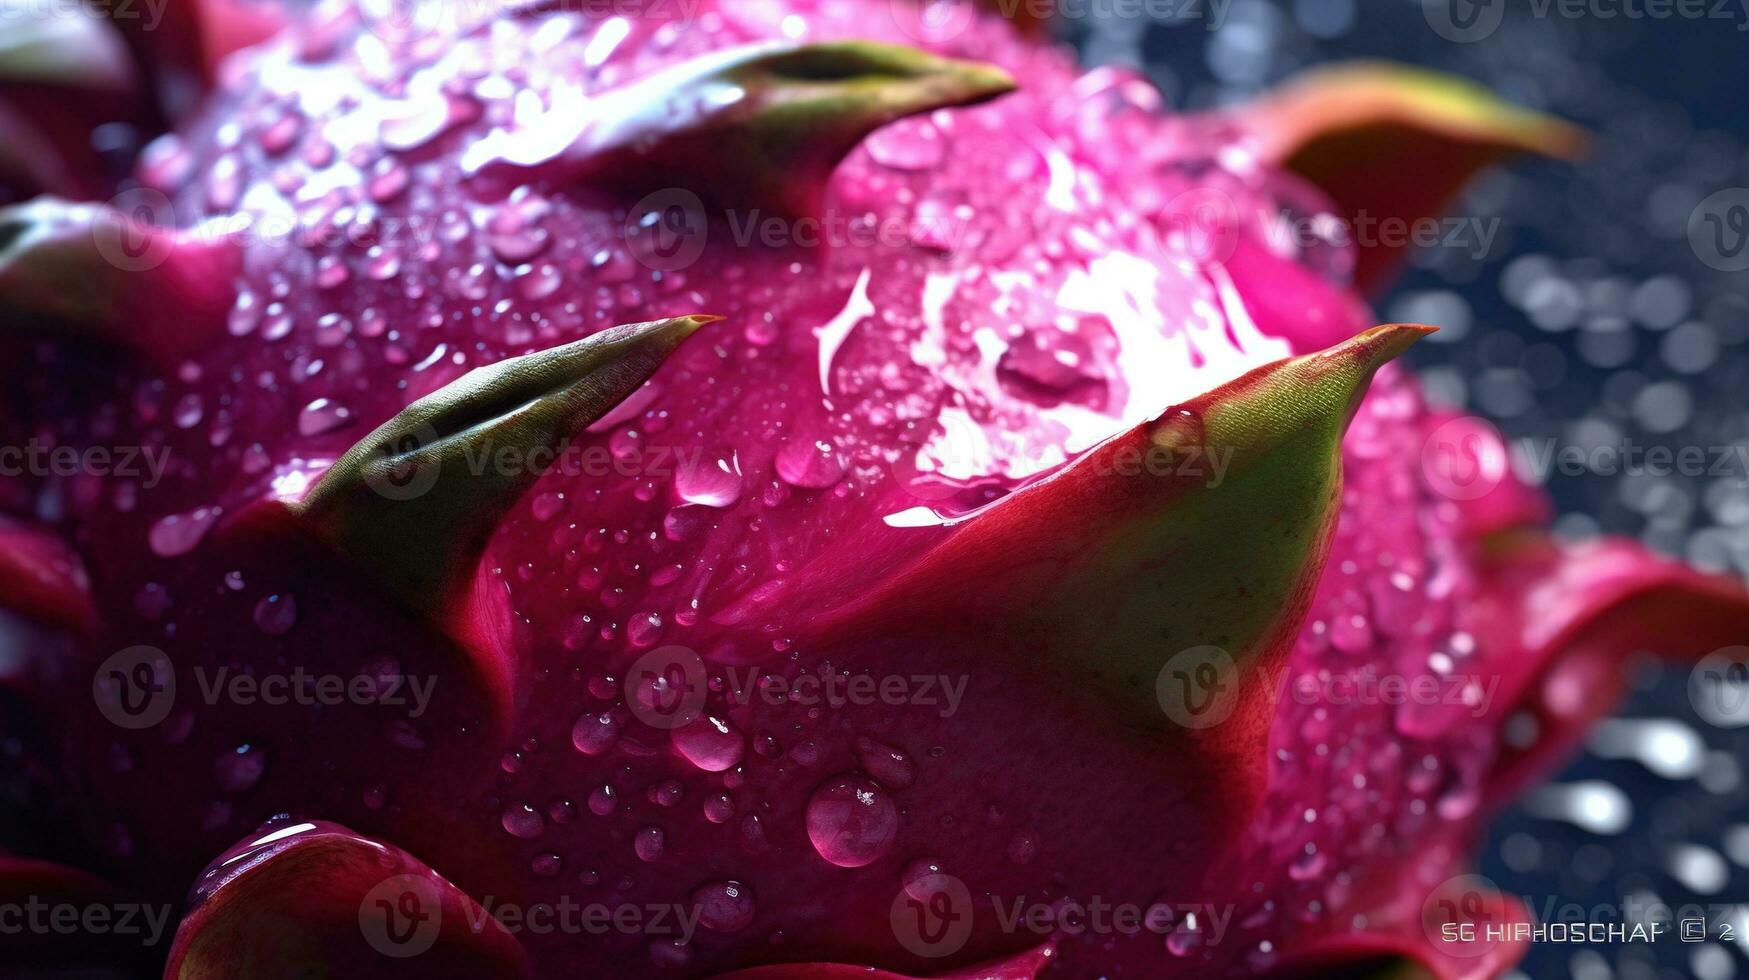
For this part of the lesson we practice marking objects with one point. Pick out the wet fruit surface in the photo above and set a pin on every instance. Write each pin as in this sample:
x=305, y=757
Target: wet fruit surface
x=641, y=702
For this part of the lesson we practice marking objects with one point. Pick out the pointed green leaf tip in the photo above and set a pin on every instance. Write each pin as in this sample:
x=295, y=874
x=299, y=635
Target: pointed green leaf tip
x=415, y=502
x=763, y=126
x=1207, y=527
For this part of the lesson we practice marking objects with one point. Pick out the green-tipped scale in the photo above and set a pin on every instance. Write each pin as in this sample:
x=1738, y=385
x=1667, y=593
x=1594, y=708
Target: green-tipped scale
x=762, y=126
x=414, y=502
x=1215, y=516
x=1159, y=580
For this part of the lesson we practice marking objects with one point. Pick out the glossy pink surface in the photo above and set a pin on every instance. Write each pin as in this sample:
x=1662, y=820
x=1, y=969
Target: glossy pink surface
x=987, y=293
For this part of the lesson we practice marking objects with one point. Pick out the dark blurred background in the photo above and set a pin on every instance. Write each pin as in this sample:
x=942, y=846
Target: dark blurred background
x=1596, y=319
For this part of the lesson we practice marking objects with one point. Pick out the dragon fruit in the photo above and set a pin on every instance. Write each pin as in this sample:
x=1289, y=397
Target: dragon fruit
x=779, y=489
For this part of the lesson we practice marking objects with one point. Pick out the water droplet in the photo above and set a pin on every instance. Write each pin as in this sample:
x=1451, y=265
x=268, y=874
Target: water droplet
x=245, y=315
x=716, y=483
x=277, y=322
x=276, y=614
x=382, y=263
x=539, y=281
x=1307, y=866
x=519, y=246
x=851, y=821
x=602, y=800
x=910, y=144
x=724, y=906
x=1186, y=938
x=411, y=123
x=1051, y=367
x=644, y=629
x=710, y=743
x=670, y=954
x=649, y=843
x=890, y=766
x=238, y=770
x=188, y=411
x=279, y=134
x=522, y=820
x=323, y=415
x=685, y=522
x=809, y=463
x=922, y=878
x=387, y=181
x=178, y=534
x=547, y=505
x=719, y=808
x=331, y=272
x=594, y=734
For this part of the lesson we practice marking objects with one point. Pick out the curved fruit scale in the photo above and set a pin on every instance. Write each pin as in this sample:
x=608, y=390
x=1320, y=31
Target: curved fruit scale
x=1025, y=420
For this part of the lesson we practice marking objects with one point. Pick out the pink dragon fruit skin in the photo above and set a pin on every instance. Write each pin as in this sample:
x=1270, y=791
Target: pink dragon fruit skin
x=899, y=456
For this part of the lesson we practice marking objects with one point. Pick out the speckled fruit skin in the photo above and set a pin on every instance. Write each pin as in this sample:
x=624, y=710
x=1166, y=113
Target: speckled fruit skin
x=988, y=292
